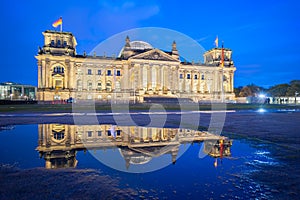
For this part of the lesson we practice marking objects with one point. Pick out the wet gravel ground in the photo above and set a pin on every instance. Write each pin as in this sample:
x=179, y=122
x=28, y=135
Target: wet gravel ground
x=45, y=184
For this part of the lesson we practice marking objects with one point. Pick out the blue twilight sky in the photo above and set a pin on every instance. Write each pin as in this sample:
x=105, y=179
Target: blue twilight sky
x=264, y=35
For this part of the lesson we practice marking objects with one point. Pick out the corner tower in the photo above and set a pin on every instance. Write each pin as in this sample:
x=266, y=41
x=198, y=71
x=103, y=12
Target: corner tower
x=58, y=43
x=214, y=57
x=56, y=66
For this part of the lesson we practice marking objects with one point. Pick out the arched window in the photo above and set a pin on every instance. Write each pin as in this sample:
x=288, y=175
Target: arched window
x=108, y=86
x=58, y=135
x=89, y=85
x=79, y=85
x=99, y=86
x=202, y=77
x=58, y=70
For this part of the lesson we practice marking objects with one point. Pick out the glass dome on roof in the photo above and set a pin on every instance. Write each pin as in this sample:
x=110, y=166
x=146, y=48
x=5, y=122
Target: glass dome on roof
x=138, y=45
x=141, y=45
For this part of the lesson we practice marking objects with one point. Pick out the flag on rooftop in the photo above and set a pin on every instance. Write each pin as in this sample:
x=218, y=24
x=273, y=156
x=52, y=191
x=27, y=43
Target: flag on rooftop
x=57, y=22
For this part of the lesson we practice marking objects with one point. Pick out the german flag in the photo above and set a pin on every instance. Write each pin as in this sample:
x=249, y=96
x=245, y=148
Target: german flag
x=57, y=22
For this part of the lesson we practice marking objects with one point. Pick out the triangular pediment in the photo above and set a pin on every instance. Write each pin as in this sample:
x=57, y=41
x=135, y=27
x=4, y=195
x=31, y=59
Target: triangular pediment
x=155, y=54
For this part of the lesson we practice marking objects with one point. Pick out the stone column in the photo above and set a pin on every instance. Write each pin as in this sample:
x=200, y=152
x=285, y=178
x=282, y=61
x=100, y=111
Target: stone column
x=40, y=84
x=199, y=80
x=71, y=76
x=215, y=83
x=183, y=81
x=140, y=78
x=169, y=76
x=66, y=73
x=162, y=78
x=43, y=74
x=158, y=78
x=149, y=78
x=192, y=81
x=126, y=77
x=177, y=79
x=171, y=79
x=154, y=77
x=47, y=74
x=232, y=81
x=188, y=83
x=166, y=78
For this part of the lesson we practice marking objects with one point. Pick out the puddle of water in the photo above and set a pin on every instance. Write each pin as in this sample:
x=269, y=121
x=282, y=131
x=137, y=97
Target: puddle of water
x=229, y=174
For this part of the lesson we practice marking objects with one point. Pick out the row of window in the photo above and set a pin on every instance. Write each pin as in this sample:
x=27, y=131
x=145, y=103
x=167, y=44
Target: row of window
x=108, y=133
x=99, y=86
x=64, y=44
x=58, y=69
x=108, y=72
x=188, y=76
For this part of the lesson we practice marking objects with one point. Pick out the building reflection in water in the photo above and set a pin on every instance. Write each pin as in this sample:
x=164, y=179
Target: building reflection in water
x=58, y=143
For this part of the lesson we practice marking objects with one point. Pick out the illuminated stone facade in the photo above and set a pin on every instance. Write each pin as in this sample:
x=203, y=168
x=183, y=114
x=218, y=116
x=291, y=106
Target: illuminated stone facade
x=58, y=143
x=139, y=71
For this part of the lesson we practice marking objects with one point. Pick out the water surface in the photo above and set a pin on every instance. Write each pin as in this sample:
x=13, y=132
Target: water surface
x=234, y=173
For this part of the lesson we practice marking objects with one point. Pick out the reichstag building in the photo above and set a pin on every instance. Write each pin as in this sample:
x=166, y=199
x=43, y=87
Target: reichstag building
x=139, y=71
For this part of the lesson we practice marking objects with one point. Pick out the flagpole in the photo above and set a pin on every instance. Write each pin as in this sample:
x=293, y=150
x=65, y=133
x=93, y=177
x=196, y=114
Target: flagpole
x=222, y=66
x=61, y=25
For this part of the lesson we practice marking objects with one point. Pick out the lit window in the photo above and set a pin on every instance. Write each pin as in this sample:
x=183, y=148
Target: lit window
x=79, y=85
x=118, y=132
x=58, y=135
x=90, y=85
x=188, y=76
x=89, y=71
x=108, y=86
x=90, y=133
x=99, y=133
x=108, y=72
x=195, y=77
x=108, y=133
x=99, y=72
x=118, y=73
x=181, y=76
x=118, y=86
x=99, y=86
x=59, y=70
